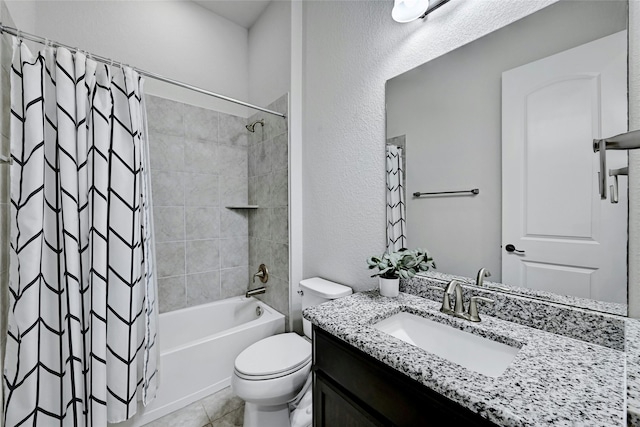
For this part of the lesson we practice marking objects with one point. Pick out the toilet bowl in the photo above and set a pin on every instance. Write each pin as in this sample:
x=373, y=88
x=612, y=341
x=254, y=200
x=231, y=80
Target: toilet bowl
x=270, y=373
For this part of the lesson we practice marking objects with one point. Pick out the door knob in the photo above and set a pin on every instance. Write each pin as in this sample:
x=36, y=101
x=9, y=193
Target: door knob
x=511, y=248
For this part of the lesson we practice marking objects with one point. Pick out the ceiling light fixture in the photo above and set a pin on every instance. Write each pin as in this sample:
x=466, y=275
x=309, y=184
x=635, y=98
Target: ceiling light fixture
x=410, y=10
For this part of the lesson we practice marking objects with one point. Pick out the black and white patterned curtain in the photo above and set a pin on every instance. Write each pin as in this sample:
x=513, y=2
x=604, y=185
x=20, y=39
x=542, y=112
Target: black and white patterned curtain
x=396, y=218
x=83, y=315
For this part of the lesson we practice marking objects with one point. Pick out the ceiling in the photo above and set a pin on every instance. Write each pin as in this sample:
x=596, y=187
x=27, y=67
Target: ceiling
x=242, y=12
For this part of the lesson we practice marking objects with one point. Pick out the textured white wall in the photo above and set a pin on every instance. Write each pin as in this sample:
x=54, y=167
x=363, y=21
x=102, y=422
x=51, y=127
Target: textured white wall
x=177, y=39
x=634, y=160
x=352, y=48
x=270, y=54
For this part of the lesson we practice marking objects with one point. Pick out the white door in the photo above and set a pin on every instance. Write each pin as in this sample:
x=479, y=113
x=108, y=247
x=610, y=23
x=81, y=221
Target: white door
x=573, y=242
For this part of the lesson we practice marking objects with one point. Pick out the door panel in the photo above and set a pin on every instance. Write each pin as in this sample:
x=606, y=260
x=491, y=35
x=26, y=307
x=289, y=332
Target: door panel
x=573, y=242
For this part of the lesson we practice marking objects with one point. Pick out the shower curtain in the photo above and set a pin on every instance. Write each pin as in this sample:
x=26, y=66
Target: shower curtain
x=396, y=233
x=81, y=346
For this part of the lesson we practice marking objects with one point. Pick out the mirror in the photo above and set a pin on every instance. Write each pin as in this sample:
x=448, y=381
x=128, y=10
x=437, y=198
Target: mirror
x=513, y=115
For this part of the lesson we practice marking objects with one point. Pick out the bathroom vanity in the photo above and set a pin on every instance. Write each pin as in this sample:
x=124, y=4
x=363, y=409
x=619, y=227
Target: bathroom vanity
x=352, y=388
x=366, y=377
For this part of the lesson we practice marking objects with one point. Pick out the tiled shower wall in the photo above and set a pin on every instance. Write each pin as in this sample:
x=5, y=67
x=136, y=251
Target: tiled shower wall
x=268, y=188
x=198, y=167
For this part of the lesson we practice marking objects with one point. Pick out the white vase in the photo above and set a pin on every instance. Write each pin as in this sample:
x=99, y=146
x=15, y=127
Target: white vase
x=389, y=287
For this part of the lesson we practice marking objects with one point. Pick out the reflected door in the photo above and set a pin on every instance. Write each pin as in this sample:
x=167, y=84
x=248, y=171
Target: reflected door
x=566, y=239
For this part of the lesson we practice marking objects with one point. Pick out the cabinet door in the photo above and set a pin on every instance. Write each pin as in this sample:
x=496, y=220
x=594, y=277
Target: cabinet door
x=332, y=407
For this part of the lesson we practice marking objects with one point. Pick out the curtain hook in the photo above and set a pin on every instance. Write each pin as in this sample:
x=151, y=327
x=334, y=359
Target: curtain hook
x=19, y=35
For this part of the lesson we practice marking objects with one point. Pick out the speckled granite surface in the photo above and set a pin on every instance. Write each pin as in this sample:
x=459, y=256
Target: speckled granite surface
x=595, y=327
x=589, y=304
x=633, y=371
x=554, y=380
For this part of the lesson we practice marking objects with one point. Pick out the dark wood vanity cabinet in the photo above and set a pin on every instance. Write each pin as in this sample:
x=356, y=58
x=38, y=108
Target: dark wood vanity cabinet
x=352, y=389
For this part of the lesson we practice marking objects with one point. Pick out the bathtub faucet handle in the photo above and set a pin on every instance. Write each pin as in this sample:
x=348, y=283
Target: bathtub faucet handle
x=262, y=273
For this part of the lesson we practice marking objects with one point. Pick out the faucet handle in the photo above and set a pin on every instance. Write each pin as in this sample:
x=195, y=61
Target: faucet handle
x=262, y=273
x=473, y=307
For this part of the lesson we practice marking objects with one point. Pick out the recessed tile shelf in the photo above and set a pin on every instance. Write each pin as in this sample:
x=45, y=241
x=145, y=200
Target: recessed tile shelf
x=242, y=207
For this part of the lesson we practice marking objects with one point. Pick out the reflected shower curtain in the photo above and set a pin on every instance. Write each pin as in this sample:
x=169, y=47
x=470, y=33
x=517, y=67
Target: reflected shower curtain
x=396, y=233
x=82, y=323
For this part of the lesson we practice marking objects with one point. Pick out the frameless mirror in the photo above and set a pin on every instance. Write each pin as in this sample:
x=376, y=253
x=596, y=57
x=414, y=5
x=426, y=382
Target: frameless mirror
x=512, y=115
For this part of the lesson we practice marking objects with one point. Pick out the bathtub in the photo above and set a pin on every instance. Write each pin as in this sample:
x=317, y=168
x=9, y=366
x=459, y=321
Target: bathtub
x=198, y=347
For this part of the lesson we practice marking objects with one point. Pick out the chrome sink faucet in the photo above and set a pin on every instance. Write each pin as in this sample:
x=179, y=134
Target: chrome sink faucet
x=481, y=275
x=454, y=287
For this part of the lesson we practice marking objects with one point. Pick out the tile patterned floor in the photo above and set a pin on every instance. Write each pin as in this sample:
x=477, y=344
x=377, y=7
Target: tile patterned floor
x=222, y=409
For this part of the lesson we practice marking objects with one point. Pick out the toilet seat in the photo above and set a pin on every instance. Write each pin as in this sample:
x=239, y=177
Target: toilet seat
x=273, y=357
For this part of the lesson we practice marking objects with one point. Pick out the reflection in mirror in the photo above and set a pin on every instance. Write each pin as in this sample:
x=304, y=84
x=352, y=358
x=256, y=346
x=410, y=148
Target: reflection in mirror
x=513, y=114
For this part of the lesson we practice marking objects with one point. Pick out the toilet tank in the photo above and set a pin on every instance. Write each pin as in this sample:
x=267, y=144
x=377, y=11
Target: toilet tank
x=315, y=291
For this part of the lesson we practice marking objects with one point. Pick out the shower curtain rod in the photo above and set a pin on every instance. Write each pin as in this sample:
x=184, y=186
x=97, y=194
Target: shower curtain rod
x=47, y=42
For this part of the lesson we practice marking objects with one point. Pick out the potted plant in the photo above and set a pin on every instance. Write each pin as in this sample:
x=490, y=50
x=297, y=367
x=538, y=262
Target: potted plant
x=395, y=265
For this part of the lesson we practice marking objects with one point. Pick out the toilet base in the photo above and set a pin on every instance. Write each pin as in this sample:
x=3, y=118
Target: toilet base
x=266, y=416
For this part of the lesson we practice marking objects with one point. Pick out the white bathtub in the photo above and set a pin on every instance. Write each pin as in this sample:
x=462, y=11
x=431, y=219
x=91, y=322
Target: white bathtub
x=198, y=347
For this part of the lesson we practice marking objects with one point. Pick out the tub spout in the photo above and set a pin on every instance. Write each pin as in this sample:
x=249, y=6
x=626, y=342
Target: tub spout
x=256, y=291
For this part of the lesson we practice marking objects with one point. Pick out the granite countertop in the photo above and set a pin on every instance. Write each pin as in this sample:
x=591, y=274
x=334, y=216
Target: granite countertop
x=554, y=380
x=632, y=332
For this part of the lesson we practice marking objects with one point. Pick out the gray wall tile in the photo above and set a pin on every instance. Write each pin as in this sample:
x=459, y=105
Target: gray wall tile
x=167, y=188
x=168, y=223
x=233, y=161
x=232, y=130
x=202, y=223
x=277, y=295
x=276, y=125
x=166, y=152
x=259, y=159
x=280, y=224
x=279, y=188
x=203, y=256
x=201, y=156
x=170, y=259
x=280, y=263
x=172, y=293
x=259, y=253
x=200, y=123
x=165, y=116
x=203, y=288
x=201, y=190
x=252, y=190
x=279, y=152
x=260, y=223
x=234, y=282
x=234, y=223
x=200, y=163
x=234, y=252
x=233, y=190
x=263, y=190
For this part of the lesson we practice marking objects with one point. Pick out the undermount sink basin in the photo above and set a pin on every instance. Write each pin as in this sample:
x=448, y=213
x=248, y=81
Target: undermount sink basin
x=476, y=353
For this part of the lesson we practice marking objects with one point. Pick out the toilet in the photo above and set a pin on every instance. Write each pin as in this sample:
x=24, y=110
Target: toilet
x=271, y=373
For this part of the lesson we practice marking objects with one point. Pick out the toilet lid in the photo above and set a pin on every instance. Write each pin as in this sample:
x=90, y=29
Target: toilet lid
x=274, y=355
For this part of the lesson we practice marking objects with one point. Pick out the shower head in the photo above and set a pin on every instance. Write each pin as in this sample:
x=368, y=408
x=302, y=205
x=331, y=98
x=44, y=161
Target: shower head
x=251, y=127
